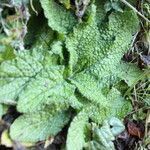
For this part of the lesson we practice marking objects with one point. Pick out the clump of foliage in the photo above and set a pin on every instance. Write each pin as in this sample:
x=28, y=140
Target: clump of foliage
x=74, y=75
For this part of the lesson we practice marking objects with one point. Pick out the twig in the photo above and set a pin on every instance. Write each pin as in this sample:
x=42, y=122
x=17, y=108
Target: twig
x=135, y=94
x=139, y=109
x=135, y=10
x=31, y=4
x=146, y=123
x=7, y=5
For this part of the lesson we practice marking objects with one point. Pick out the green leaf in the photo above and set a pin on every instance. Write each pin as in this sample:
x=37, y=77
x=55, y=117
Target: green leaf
x=103, y=137
x=47, y=88
x=38, y=126
x=76, y=136
x=129, y=73
x=113, y=5
x=120, y=106
x=59, y=19
x=110, y=42
x=57, y=49
x=114, y=106
x=97, y=91
x=36, y=82
x=16, y=73
x=98, y=67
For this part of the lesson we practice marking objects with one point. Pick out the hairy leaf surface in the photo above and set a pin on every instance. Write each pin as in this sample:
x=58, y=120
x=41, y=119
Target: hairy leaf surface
x=35, y=83
x=38, y=126
x=76, y=71
x=76, y=136
x=59, y=19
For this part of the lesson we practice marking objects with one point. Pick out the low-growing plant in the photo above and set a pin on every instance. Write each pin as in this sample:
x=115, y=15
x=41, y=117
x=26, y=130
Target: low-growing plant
x=74, y=76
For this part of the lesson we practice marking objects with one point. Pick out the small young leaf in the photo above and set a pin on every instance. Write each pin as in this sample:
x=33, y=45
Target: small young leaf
x=104, y=136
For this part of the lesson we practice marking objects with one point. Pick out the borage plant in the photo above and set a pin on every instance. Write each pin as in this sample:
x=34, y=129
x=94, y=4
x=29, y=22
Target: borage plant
x=78, y=75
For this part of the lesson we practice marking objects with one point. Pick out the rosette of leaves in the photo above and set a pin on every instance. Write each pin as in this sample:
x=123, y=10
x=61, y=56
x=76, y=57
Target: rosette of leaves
x=78, y=72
